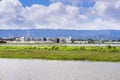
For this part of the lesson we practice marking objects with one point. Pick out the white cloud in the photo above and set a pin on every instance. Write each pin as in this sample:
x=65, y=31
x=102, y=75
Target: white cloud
x=109, y=9
x=70, y=2
x=84, y=17
x=60, y=14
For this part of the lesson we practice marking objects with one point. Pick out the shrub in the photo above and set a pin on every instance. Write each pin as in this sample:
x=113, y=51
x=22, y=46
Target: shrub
x=54, y=48
x=109, y=46
x=82, y=48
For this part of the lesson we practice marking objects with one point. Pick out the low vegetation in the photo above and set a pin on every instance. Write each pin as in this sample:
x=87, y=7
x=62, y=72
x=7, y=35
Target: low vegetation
x=106, y=53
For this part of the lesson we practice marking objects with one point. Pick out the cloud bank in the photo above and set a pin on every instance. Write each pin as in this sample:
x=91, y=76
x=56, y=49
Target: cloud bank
x=61, y=14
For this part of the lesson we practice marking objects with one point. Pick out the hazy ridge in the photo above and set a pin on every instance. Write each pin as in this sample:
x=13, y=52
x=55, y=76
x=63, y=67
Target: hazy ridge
x=82, y=34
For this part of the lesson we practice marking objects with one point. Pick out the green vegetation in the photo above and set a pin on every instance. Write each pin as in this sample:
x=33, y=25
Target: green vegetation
x=106, y=53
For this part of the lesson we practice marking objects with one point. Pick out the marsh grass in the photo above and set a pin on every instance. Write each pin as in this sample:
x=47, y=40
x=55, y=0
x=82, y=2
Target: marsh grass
x=106, y=53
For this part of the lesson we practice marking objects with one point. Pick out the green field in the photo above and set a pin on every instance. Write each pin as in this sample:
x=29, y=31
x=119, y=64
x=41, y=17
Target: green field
x=87, y=53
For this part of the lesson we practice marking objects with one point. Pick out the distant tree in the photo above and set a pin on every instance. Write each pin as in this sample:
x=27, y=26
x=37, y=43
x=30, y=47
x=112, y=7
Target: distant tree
x=72, y=40
x=91, y=41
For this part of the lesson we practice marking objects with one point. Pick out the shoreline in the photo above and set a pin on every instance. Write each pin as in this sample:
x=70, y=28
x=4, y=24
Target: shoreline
x=45, y=60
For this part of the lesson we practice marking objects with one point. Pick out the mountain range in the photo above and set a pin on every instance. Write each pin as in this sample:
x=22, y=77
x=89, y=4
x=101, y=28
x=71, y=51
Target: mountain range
x=53, y=33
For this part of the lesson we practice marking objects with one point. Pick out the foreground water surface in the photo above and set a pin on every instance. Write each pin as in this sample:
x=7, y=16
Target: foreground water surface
x=18, y=69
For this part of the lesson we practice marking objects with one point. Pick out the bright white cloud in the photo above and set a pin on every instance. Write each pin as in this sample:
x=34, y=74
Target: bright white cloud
x=60, y=14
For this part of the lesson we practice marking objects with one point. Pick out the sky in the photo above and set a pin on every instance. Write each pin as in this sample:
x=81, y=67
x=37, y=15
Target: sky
x=60, y=14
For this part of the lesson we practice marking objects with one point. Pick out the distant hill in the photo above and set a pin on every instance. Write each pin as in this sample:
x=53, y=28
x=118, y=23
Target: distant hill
x=82, y=34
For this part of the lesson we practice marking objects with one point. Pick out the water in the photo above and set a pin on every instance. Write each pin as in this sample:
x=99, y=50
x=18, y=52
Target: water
x=91, y=44
x=15, y=69
x=60, y=44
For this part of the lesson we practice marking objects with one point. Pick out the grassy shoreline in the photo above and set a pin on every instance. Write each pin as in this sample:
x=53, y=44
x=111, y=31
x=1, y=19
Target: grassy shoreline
x=84, y=53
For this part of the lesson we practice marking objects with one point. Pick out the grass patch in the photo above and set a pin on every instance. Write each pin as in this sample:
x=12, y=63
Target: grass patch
x=107, y=53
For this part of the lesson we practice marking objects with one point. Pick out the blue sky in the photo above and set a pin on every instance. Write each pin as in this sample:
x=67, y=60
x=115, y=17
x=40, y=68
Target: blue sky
x=60, y=14
x=31, y=2
x=86, y=3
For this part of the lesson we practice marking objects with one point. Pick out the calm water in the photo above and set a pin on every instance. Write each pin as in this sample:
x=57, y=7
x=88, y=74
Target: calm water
x=60, y=44
x=91, y=44
x=12, y=69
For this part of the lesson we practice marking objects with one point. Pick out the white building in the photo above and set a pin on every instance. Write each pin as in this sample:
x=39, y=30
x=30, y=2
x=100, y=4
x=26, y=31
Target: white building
x=22, y=39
